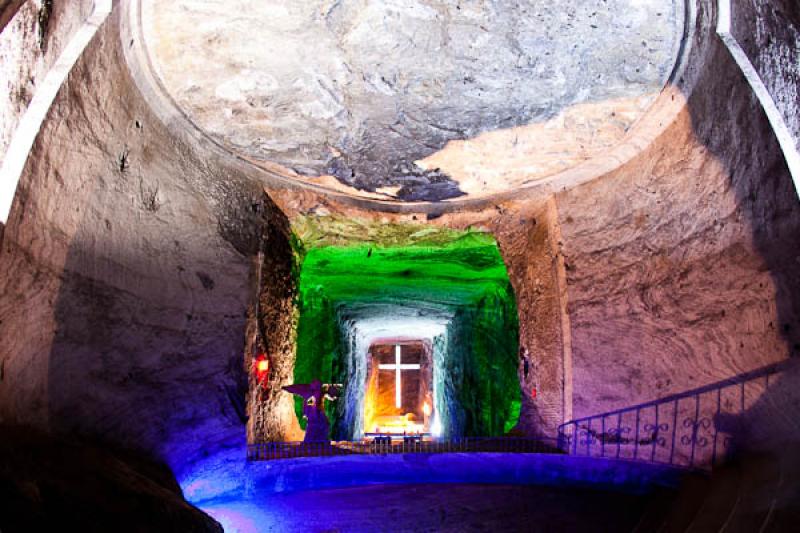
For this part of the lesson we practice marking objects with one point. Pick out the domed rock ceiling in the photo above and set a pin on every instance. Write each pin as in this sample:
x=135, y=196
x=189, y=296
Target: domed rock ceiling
x=414, y=100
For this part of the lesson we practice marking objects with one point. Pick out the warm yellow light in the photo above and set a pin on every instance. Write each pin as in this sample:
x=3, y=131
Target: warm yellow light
x=426, y=409
x=398, y=425
x=263, y=365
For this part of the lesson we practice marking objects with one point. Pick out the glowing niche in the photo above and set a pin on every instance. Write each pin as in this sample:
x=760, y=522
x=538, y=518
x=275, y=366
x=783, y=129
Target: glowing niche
x=399, y=387
x=420, y=326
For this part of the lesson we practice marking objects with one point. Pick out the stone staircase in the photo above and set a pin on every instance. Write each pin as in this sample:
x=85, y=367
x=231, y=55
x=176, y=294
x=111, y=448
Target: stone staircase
x=757, y=493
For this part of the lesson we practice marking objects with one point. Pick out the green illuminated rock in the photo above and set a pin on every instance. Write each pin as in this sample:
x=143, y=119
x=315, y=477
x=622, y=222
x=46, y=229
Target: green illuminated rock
x=353, y=271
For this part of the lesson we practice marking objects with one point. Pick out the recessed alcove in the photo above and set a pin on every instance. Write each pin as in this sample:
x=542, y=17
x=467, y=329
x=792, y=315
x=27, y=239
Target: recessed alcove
x=399, y=395
x=440, y=299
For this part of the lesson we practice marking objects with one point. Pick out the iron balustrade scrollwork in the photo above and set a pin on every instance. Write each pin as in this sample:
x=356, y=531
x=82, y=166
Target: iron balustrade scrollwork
x=616, y=435
x=695, y=438
x=656, y=430
x=692, y=429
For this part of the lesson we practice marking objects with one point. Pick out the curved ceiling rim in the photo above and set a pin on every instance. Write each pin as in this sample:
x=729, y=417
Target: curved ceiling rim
x=644, y=131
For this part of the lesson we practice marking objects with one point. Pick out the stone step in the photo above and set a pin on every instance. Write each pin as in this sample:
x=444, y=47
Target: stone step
x=785, y=512
x=721, y=500
x=758, y=489
x=675, y=515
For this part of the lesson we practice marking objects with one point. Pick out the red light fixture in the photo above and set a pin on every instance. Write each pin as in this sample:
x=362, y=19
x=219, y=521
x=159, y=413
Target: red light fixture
x=261, y=366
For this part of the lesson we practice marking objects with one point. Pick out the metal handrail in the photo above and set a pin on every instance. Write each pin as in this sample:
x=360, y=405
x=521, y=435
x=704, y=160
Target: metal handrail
x=267, y=451
x=684, y=430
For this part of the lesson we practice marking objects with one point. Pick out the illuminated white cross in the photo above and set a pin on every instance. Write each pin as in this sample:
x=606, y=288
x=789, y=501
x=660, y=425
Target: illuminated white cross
x=397, y=367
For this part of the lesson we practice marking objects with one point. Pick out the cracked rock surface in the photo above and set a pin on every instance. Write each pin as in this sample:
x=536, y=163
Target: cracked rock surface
x=360, y=90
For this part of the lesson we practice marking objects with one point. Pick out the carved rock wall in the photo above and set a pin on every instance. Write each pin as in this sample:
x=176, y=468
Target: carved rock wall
x=769, y=33
x=124, y=275
x=30, y=43
x=126, y=270
x=682, y=267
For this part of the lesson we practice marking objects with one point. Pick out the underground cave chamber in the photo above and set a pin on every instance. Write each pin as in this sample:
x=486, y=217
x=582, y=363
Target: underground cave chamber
x=441, y=303
x=568, y=233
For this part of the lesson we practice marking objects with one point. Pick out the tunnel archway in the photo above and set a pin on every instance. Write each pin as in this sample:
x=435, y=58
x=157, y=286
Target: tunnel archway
x=447, y=288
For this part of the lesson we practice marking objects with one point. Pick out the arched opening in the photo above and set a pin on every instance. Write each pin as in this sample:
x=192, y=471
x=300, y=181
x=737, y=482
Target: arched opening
x=442, y=294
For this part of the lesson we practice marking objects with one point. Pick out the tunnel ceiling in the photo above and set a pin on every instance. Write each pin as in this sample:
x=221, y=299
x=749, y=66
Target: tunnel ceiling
x=414, y=99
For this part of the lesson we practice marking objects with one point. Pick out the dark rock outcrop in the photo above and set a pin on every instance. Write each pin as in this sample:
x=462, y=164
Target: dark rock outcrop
x=59, y=485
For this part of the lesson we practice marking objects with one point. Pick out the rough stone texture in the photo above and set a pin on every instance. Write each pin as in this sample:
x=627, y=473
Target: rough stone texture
x=515, y=157
x=29, y=46
x=769, y=33
x=529, y=241
x=59, y=485
x=682, y=267
x=125, y=270
x=271, y=331
x=361, y=89
x=527, y=235
x=8, y=8
x=124, y=276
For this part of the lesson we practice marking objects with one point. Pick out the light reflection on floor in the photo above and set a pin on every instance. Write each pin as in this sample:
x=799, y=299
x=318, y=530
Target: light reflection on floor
x=429, y=507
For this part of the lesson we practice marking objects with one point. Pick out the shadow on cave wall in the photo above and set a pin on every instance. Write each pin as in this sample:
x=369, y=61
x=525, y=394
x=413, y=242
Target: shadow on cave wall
x=8, y=8
x=768, y=422
x=692, y=276
x=271, y=330
x=766, y=454
x=165, y=352
x=730, y=122
x=152, y=311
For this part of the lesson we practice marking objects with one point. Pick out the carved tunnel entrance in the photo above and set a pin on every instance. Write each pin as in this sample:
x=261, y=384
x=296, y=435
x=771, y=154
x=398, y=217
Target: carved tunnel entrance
x=399, y=395
x=420, y=328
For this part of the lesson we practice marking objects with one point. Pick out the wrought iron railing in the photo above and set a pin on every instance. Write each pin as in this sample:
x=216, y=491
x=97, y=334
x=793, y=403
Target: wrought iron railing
x=692, y=429
x=267, y=451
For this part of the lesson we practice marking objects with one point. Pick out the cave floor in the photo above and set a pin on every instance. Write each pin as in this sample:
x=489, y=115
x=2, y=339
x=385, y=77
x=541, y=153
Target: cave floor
x=433, y=507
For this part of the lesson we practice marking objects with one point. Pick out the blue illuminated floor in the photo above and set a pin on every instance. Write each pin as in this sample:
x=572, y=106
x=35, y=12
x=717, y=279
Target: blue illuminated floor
x=432, y=507
x=426, y=492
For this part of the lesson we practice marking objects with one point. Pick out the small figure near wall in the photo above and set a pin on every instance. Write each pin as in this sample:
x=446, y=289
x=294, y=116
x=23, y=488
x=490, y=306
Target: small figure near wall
x=315, y=394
